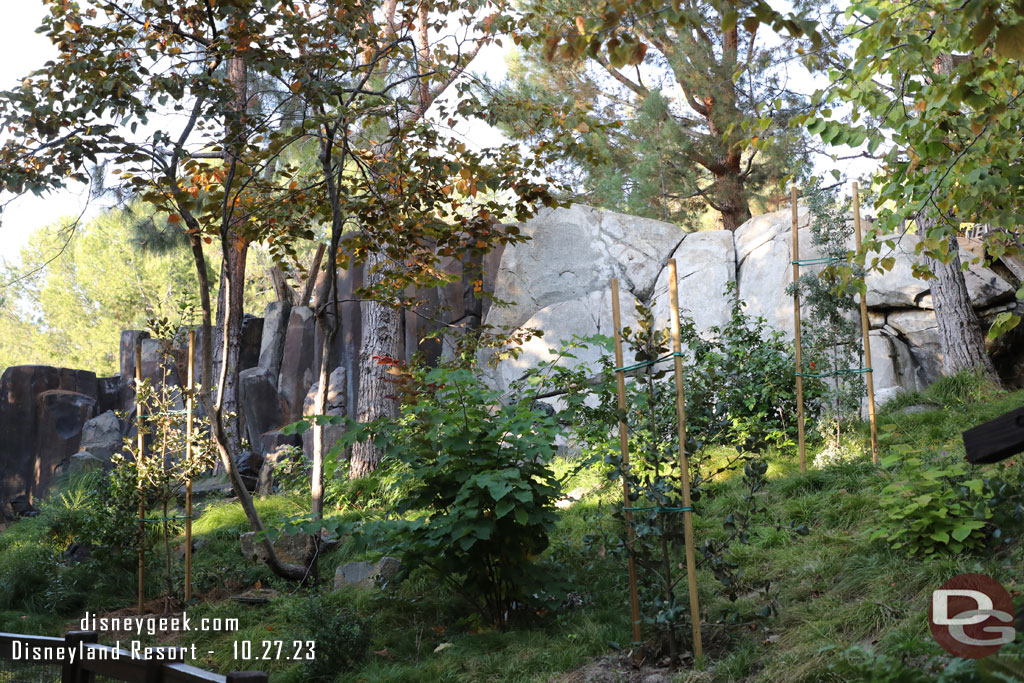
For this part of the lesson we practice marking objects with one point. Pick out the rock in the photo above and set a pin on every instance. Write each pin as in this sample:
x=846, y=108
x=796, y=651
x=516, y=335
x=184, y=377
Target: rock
x=276, y=439
x=22, y=506
x=283, y=451
x=109, y=393
x=290, y=548
x=260, y=404
x=129, y=339
x=101, y=436
x=251, y=342
x=77, y=552
x=894, y=369
x=249, y=464
x=573, y=253
x=585, y=316
x=336, y=405
x=275, y=327
x=84, y=461
x=297, y=363
x=921, y=334
x=764, y=247
x=19, y=386
x=216, y=486
x=61, y=417
x=365, y=574
x=705, y=265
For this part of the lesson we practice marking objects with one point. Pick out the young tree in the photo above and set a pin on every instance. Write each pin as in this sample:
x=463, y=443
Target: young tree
x=937, y=86
x=703, y=99
x=162, y=91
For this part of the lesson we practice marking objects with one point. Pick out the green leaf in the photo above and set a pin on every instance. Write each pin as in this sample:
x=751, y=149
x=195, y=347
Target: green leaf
x=503, y=507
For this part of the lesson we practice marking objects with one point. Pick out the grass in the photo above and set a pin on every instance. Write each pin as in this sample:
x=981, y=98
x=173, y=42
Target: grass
x=848, y=608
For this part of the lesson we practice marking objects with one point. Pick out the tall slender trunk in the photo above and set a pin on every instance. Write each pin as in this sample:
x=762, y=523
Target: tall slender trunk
x=327, y=318
x=234, y=248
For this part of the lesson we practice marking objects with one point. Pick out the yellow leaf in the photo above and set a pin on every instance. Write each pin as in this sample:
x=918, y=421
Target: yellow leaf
x=174, y=218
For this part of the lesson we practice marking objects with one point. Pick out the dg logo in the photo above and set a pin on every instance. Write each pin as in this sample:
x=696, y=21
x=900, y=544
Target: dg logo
x=971, y=616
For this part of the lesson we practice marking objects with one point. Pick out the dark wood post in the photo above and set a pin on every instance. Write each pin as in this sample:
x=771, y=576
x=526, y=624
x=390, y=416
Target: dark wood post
x=71, y=671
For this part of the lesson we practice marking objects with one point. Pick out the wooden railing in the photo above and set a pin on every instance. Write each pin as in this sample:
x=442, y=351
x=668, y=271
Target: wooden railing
x=101, y=660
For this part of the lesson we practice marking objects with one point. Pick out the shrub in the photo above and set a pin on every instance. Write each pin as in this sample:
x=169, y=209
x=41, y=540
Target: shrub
x=931, y=506
x=341, y=638
x=475, y=475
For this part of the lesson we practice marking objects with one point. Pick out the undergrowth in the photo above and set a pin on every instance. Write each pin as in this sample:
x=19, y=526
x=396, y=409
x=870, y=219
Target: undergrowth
x=849, y=607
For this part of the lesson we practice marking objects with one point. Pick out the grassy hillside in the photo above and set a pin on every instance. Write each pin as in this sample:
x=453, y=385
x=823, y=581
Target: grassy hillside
x=846, y=607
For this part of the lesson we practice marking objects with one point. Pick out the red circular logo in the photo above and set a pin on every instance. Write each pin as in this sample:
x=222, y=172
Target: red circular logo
x=971, y=616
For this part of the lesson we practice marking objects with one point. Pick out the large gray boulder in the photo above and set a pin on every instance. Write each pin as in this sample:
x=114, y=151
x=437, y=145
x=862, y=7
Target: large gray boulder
x=574, y=252
x=705, y=266
x=367, y=574
x=559, y=282
x=919, y=330
x=61, y=416
x=101, y=436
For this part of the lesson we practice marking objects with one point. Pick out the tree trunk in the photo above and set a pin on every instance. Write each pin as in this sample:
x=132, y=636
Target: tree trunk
x=963, y=345
x=380, y=324
x=731, y=198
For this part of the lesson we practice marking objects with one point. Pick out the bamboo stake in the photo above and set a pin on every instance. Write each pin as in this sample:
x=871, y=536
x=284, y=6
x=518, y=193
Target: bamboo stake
x=866, y=328
x=620, y=378
x=138, y=465
x=189, y=405
x=796, y=337
x=684, y=464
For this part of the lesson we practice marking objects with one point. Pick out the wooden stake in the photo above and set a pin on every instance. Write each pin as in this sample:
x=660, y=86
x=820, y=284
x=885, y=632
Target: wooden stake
x=189, y=407
x=620, y=378
x=138, y=464
x=684, y=463
x=866, y=328
x=796, y=338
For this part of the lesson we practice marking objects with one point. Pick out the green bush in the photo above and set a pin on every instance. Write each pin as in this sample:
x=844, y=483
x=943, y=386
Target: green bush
x=932, y=506
x=474, y=475
x=341, y=639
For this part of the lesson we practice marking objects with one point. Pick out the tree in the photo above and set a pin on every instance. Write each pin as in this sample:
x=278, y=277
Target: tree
x=356, y=81
x=936, y=86
x=702, y=97
x=74, y=291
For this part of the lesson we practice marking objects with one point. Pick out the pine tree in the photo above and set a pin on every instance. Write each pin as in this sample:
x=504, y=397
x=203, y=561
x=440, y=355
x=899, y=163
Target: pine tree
x=704, y=115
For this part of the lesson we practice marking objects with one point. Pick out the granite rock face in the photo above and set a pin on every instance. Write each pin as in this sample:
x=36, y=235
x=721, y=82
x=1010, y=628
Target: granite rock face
x=559, y=282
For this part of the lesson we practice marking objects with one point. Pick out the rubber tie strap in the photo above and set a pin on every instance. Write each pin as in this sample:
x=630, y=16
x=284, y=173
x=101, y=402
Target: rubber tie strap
x=817, y=261
x=660, y=508
x=646, y=363
x=834, y=373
